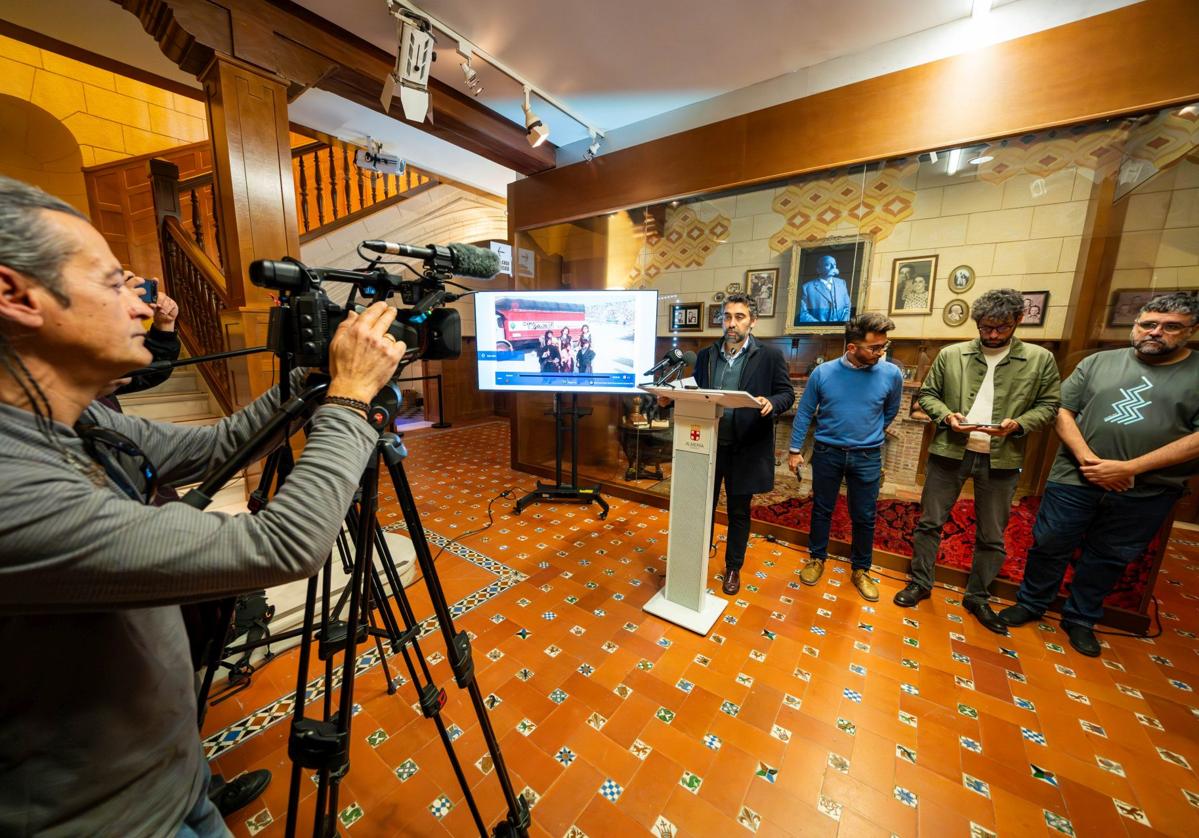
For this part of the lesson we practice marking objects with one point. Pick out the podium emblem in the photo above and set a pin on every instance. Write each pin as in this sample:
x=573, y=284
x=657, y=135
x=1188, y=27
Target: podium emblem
x=693, y=437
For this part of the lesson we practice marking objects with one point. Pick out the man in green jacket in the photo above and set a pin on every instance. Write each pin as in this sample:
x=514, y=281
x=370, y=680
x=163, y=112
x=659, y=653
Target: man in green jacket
x=984, y=396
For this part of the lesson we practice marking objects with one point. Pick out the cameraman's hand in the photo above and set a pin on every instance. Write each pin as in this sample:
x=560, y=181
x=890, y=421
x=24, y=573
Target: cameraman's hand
x=362, y=355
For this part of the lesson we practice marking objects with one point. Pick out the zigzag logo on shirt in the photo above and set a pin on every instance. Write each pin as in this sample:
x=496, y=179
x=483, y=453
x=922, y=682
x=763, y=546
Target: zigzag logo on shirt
x=1128, y=409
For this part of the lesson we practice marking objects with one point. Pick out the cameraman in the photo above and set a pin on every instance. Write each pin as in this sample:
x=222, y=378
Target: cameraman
x=97, y=710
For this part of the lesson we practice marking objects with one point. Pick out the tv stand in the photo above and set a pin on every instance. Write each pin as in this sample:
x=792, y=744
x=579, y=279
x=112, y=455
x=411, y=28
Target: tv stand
x=566, y=420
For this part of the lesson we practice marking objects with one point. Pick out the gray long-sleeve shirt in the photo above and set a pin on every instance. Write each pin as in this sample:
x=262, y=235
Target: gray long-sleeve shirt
x=97, y=708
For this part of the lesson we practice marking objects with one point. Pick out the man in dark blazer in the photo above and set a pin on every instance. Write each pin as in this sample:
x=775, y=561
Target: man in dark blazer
x=745, y=450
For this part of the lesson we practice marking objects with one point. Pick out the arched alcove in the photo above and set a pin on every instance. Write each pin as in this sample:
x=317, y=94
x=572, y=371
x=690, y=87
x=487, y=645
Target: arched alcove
x=37, y=148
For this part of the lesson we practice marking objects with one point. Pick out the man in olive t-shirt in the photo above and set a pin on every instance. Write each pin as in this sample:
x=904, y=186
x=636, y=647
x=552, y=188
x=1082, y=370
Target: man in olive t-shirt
x=1129, y=425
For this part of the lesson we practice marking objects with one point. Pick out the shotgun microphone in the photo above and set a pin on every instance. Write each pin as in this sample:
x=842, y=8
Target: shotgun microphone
x=459, y=259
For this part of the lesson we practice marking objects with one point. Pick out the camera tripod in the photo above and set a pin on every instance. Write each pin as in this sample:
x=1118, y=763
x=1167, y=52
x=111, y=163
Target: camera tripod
x=322, y=744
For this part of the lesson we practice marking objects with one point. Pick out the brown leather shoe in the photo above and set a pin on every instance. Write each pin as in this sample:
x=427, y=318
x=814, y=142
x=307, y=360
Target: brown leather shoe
x=865, y=585
x=812, y=571
x=732, y=581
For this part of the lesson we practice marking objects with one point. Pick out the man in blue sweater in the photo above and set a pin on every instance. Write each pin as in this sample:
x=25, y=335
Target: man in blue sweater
x=853, y=399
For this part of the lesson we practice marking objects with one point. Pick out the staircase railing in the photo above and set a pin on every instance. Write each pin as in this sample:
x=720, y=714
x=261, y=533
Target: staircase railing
x=332, y=191
x=193, y=280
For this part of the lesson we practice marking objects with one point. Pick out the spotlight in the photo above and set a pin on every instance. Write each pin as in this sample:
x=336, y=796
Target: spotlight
x=472, y=78
x=955, y=159
x=411, y=73
x=473, y=84
x=536, y=131
x=593, y=149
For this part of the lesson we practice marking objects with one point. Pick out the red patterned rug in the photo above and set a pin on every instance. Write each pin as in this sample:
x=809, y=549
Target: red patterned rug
x=897, y=520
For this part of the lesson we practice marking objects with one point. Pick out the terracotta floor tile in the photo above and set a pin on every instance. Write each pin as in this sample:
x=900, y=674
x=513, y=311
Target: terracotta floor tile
x=873, y=805
x=728, y=778
x=873, y=761
x=1016, y=816
x=651, y=786
x=558, y=547
x=692, y=815
x=564, y=801
x=601, y=819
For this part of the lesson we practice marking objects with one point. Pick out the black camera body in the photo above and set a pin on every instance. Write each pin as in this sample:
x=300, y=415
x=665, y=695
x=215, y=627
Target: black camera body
x=303, y=324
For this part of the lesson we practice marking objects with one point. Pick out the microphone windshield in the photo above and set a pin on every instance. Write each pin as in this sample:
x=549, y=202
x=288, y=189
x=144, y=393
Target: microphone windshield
x=477, y=262
x=689, y=358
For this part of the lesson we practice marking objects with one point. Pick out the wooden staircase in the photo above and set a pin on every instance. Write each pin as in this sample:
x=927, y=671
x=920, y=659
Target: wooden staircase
x=182, y=399
x=159, y=224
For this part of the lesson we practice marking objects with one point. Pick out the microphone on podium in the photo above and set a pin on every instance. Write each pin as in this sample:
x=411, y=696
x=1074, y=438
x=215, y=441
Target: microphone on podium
x=672, y=357
x=685, y=359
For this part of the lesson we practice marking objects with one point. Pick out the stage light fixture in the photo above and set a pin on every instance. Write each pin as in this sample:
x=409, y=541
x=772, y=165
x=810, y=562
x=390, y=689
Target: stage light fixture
x=593, y=149
x=536, y=131
x=411, y=74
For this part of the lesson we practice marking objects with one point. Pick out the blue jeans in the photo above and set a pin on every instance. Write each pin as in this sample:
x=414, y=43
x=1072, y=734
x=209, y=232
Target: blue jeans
x=861, y=469
x=1113, y=530
x=204, y=819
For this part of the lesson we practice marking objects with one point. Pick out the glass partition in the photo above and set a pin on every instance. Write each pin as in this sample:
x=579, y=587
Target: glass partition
x=1087, y=221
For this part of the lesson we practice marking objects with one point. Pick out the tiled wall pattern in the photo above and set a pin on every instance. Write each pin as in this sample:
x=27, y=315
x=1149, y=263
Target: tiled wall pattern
x=1018, y=221
x=110, y=115
x=687, y=242
x=870, y=202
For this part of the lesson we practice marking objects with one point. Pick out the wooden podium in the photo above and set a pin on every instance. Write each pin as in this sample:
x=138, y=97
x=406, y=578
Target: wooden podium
x=684, y=600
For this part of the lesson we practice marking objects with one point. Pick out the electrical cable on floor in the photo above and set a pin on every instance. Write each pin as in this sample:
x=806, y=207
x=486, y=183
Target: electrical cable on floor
x=507, y=493
x=874, y=571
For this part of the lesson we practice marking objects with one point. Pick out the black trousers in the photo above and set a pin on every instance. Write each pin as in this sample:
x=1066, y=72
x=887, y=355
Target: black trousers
x=737, y=507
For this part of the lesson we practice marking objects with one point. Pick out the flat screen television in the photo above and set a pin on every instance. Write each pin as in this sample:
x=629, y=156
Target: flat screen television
x=565, y=341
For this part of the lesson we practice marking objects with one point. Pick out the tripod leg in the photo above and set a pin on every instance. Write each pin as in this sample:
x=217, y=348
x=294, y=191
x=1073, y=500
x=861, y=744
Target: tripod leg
x=458, y=649
x=293, y=793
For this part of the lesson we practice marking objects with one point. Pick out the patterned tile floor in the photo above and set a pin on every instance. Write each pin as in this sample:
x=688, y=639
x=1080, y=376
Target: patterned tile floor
x=807, y=711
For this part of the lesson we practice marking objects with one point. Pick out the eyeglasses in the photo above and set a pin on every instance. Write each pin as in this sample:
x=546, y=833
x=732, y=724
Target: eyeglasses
x=996, y=330
x=878, y=350
x=1168, y=328
x=123, y=461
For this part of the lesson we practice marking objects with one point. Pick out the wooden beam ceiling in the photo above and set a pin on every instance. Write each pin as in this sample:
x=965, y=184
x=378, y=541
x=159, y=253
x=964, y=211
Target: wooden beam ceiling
x=307, y=51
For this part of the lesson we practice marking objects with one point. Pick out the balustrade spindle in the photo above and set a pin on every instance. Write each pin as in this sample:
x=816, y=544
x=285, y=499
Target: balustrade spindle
x=345, y=176
x=216, y=231
x=374, y=194
x=333, y=182
x=304, y=194
x=361, y=197
x=197, y=229
x=320, y=189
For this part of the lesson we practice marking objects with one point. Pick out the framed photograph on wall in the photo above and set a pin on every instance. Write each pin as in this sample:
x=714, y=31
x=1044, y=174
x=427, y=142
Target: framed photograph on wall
x=686, y=317
x=1126, y=304
x=761, y=285
x=956, y=312
x=827, y=285
x=1035, y=305
x=715, y=315
x=961, y=279
x=912, y=284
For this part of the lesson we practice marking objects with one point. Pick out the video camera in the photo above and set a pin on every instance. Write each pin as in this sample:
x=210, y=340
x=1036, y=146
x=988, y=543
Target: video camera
x=303, y=324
